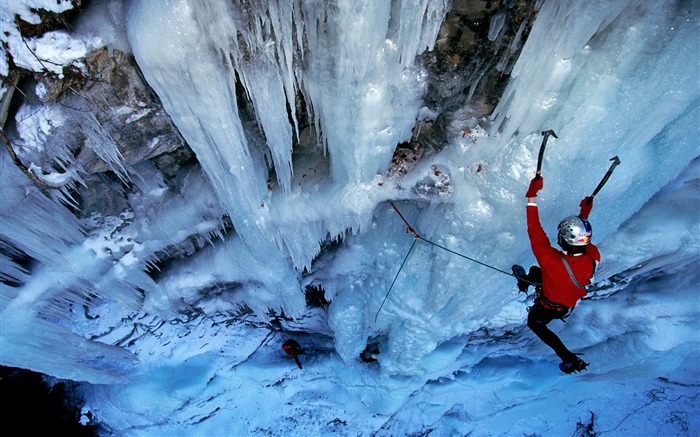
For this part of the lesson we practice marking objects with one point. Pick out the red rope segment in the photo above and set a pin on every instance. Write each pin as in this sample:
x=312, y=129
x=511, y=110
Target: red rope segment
x=408, y=227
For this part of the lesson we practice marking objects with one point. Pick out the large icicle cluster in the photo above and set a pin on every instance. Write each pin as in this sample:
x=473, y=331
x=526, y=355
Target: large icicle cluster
x=350, y=62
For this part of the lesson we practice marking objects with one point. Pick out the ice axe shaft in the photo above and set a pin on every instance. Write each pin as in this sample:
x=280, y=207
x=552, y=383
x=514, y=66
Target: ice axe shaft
x=616, y=162
x=546, y=134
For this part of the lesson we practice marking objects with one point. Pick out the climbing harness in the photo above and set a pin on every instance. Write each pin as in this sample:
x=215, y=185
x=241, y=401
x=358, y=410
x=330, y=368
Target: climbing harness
x=539, y=299
x=410, y=229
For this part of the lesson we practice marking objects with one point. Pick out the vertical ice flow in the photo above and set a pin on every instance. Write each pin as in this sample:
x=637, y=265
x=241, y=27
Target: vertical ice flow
x=610, y=85
x=356, y=75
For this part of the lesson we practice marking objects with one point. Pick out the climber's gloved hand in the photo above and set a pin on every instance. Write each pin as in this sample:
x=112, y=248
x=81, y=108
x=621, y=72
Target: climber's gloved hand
x=586, y=206
x=536, y=184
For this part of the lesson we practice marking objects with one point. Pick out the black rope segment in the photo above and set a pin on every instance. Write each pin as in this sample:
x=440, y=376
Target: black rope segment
x=417, y=236
x=409, y=229
x=395, y=277
x=466, y=257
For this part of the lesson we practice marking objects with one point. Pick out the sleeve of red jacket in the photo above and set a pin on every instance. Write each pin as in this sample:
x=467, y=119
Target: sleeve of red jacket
x=538, y=238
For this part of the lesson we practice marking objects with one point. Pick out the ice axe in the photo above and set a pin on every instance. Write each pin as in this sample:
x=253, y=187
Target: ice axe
x=546, y=134
x=616, y=162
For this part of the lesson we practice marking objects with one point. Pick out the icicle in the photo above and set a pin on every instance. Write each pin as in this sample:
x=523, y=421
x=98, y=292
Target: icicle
x=207, y=116
x=496, y=25
x=29, y=218
x=27, y=336
x=11, y=271
x=512, y=48
x=418, y=23
x=515, y=44
x=548, y=60
x=352, y=76
x=503, y=62
x=475, y=83
x=100, y=141
x=283, y=22
x=264, y=65
x=358, y=79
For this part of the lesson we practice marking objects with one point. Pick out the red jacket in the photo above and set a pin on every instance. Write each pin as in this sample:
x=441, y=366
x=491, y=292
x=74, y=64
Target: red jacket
x=557, y=285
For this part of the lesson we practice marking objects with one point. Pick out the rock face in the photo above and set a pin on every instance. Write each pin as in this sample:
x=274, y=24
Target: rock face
x=113, y=105
x=478, y=44
x=127, y=109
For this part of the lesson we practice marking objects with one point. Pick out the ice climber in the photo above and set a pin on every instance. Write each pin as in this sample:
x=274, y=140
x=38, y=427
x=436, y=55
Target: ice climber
x=562, y=274
x=371, y=352
x=293, y=349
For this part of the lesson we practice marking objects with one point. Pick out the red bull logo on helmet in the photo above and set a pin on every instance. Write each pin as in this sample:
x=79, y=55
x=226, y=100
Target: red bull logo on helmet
x=584, y=238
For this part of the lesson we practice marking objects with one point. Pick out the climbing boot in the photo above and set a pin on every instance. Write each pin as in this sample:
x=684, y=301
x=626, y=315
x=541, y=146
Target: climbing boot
x=569, y=367
x=519, y=273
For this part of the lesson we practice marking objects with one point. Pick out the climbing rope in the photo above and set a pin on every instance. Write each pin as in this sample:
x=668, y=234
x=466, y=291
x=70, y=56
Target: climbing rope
x=410, y=229
x=395, y=277
x=466, y=257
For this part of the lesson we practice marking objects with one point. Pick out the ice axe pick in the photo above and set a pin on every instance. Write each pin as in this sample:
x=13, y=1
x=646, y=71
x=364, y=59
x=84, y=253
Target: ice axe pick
x=616, y=162
x=546, y=134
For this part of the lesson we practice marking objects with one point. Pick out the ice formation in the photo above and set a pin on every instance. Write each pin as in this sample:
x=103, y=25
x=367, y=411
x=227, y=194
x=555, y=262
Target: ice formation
x=312, y=208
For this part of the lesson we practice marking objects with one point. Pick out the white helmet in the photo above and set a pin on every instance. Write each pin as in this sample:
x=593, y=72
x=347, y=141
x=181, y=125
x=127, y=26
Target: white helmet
x=575, y=231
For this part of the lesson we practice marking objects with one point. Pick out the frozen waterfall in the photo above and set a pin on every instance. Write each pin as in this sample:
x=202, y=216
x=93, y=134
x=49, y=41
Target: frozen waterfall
x=309, y=205
x=355, y=71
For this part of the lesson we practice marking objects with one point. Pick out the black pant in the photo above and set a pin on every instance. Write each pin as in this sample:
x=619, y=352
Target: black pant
x=537, y=321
